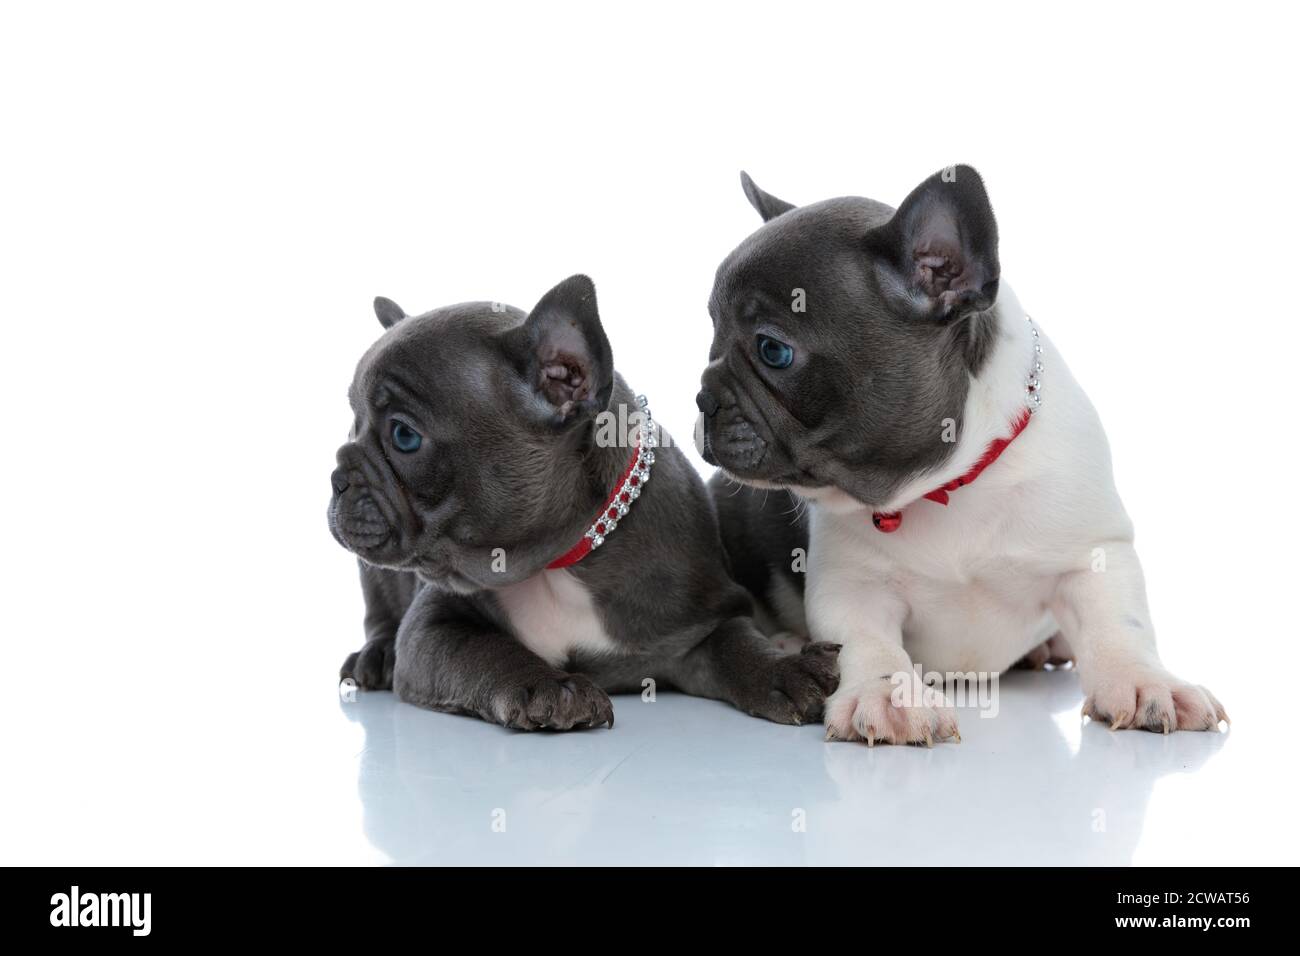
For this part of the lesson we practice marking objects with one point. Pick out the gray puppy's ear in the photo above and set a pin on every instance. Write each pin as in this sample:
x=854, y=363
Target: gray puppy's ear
x=388, y=311
x=768, y=206
x=939, y=252
x=565, y=355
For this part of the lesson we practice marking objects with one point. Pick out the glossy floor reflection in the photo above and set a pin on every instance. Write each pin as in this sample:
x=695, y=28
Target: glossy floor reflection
x=690, y=781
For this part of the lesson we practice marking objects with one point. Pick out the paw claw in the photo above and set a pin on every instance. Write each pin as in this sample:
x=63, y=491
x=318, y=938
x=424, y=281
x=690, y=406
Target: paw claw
x=550, y=702
x=870, y=711
x=792, y=688
x=371, y=668
x=1147, y=697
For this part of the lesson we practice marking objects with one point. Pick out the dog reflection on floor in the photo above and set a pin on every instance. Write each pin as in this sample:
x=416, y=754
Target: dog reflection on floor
x=441, y=789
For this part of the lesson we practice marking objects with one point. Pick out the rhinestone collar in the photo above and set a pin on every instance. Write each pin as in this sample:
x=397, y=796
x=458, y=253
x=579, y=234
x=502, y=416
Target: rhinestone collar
x=891, y=521
x=1033, y=397
x=626, y=490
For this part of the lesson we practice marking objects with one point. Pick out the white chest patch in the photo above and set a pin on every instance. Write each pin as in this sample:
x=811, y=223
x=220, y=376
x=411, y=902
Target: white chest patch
x=553, y=615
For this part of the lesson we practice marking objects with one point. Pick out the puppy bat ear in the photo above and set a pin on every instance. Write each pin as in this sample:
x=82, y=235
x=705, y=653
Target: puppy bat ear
x=939, y=252
x=768, y=206
x=565, y=355
x=388, y=311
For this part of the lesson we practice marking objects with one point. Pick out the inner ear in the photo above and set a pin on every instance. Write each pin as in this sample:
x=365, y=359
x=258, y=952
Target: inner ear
x=941, y=247
x=567, y=358
x=942, y=267
x=565, y=379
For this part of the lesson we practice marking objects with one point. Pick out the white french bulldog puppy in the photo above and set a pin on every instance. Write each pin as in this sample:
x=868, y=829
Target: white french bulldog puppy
x=962, y=512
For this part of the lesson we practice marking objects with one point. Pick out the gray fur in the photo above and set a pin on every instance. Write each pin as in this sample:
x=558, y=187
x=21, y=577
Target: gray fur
x=507, y=404
x=896, y=323
x=762, y=528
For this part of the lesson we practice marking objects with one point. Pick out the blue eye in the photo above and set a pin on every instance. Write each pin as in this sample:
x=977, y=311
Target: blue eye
x=405, y=438
x=774, y=352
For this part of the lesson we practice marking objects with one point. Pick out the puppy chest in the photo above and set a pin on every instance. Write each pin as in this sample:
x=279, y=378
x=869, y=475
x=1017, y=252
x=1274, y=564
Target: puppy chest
x=982, y=624
x=553, y=615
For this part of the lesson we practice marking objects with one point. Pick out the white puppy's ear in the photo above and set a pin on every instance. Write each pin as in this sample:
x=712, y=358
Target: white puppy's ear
x=939, y=251
x=388, y=312
x=566, y=356
x=768, y=206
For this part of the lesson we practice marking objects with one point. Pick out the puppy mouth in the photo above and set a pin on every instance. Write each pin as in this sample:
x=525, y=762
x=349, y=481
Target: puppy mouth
x=735, y=445
x=358, y=524
x=732, y=442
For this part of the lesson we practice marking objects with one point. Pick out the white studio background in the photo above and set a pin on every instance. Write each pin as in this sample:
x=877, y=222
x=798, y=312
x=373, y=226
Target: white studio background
x=198, y=203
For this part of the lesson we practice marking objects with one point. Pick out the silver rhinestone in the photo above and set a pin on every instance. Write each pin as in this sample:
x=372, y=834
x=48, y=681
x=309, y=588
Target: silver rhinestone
x=1033, y=384
x=1038, y=349
x=622, y=510
x=634, y=492
x=649, y=458
x=597, y=541
x=1038, y=368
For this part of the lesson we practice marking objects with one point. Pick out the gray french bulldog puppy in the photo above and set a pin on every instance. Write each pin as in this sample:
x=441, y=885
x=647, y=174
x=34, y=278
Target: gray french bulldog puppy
x=515, y=564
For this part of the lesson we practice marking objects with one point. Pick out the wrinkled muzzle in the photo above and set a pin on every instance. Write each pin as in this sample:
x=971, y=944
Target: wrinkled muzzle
x=358, y=517
x=726, y=437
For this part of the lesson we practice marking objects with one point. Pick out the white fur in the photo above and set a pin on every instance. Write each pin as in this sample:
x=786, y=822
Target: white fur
x=553, y=615
x=976, y=584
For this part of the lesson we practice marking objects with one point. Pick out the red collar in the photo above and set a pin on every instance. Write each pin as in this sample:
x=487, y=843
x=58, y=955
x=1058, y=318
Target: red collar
x=891, y=521
x=626, y=490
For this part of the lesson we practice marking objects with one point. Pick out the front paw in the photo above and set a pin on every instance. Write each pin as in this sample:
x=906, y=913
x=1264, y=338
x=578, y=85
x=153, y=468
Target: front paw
x=571, y=702
x=371, y=668
x=1151, y=699
x=792, y=689
x=890, y=712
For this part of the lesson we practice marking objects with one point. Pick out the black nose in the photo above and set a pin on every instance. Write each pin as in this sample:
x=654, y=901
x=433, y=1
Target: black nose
x=339, y=479
x=706, y=403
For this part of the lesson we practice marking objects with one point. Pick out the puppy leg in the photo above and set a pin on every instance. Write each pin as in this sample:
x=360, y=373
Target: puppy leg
x=452, y=657
x=738, y=664
x=387, y=594
x=881, y=698
x=1104, y=617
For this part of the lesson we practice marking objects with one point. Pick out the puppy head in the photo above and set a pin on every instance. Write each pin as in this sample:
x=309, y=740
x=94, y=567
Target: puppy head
x=845, y=332
x=470, y=425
